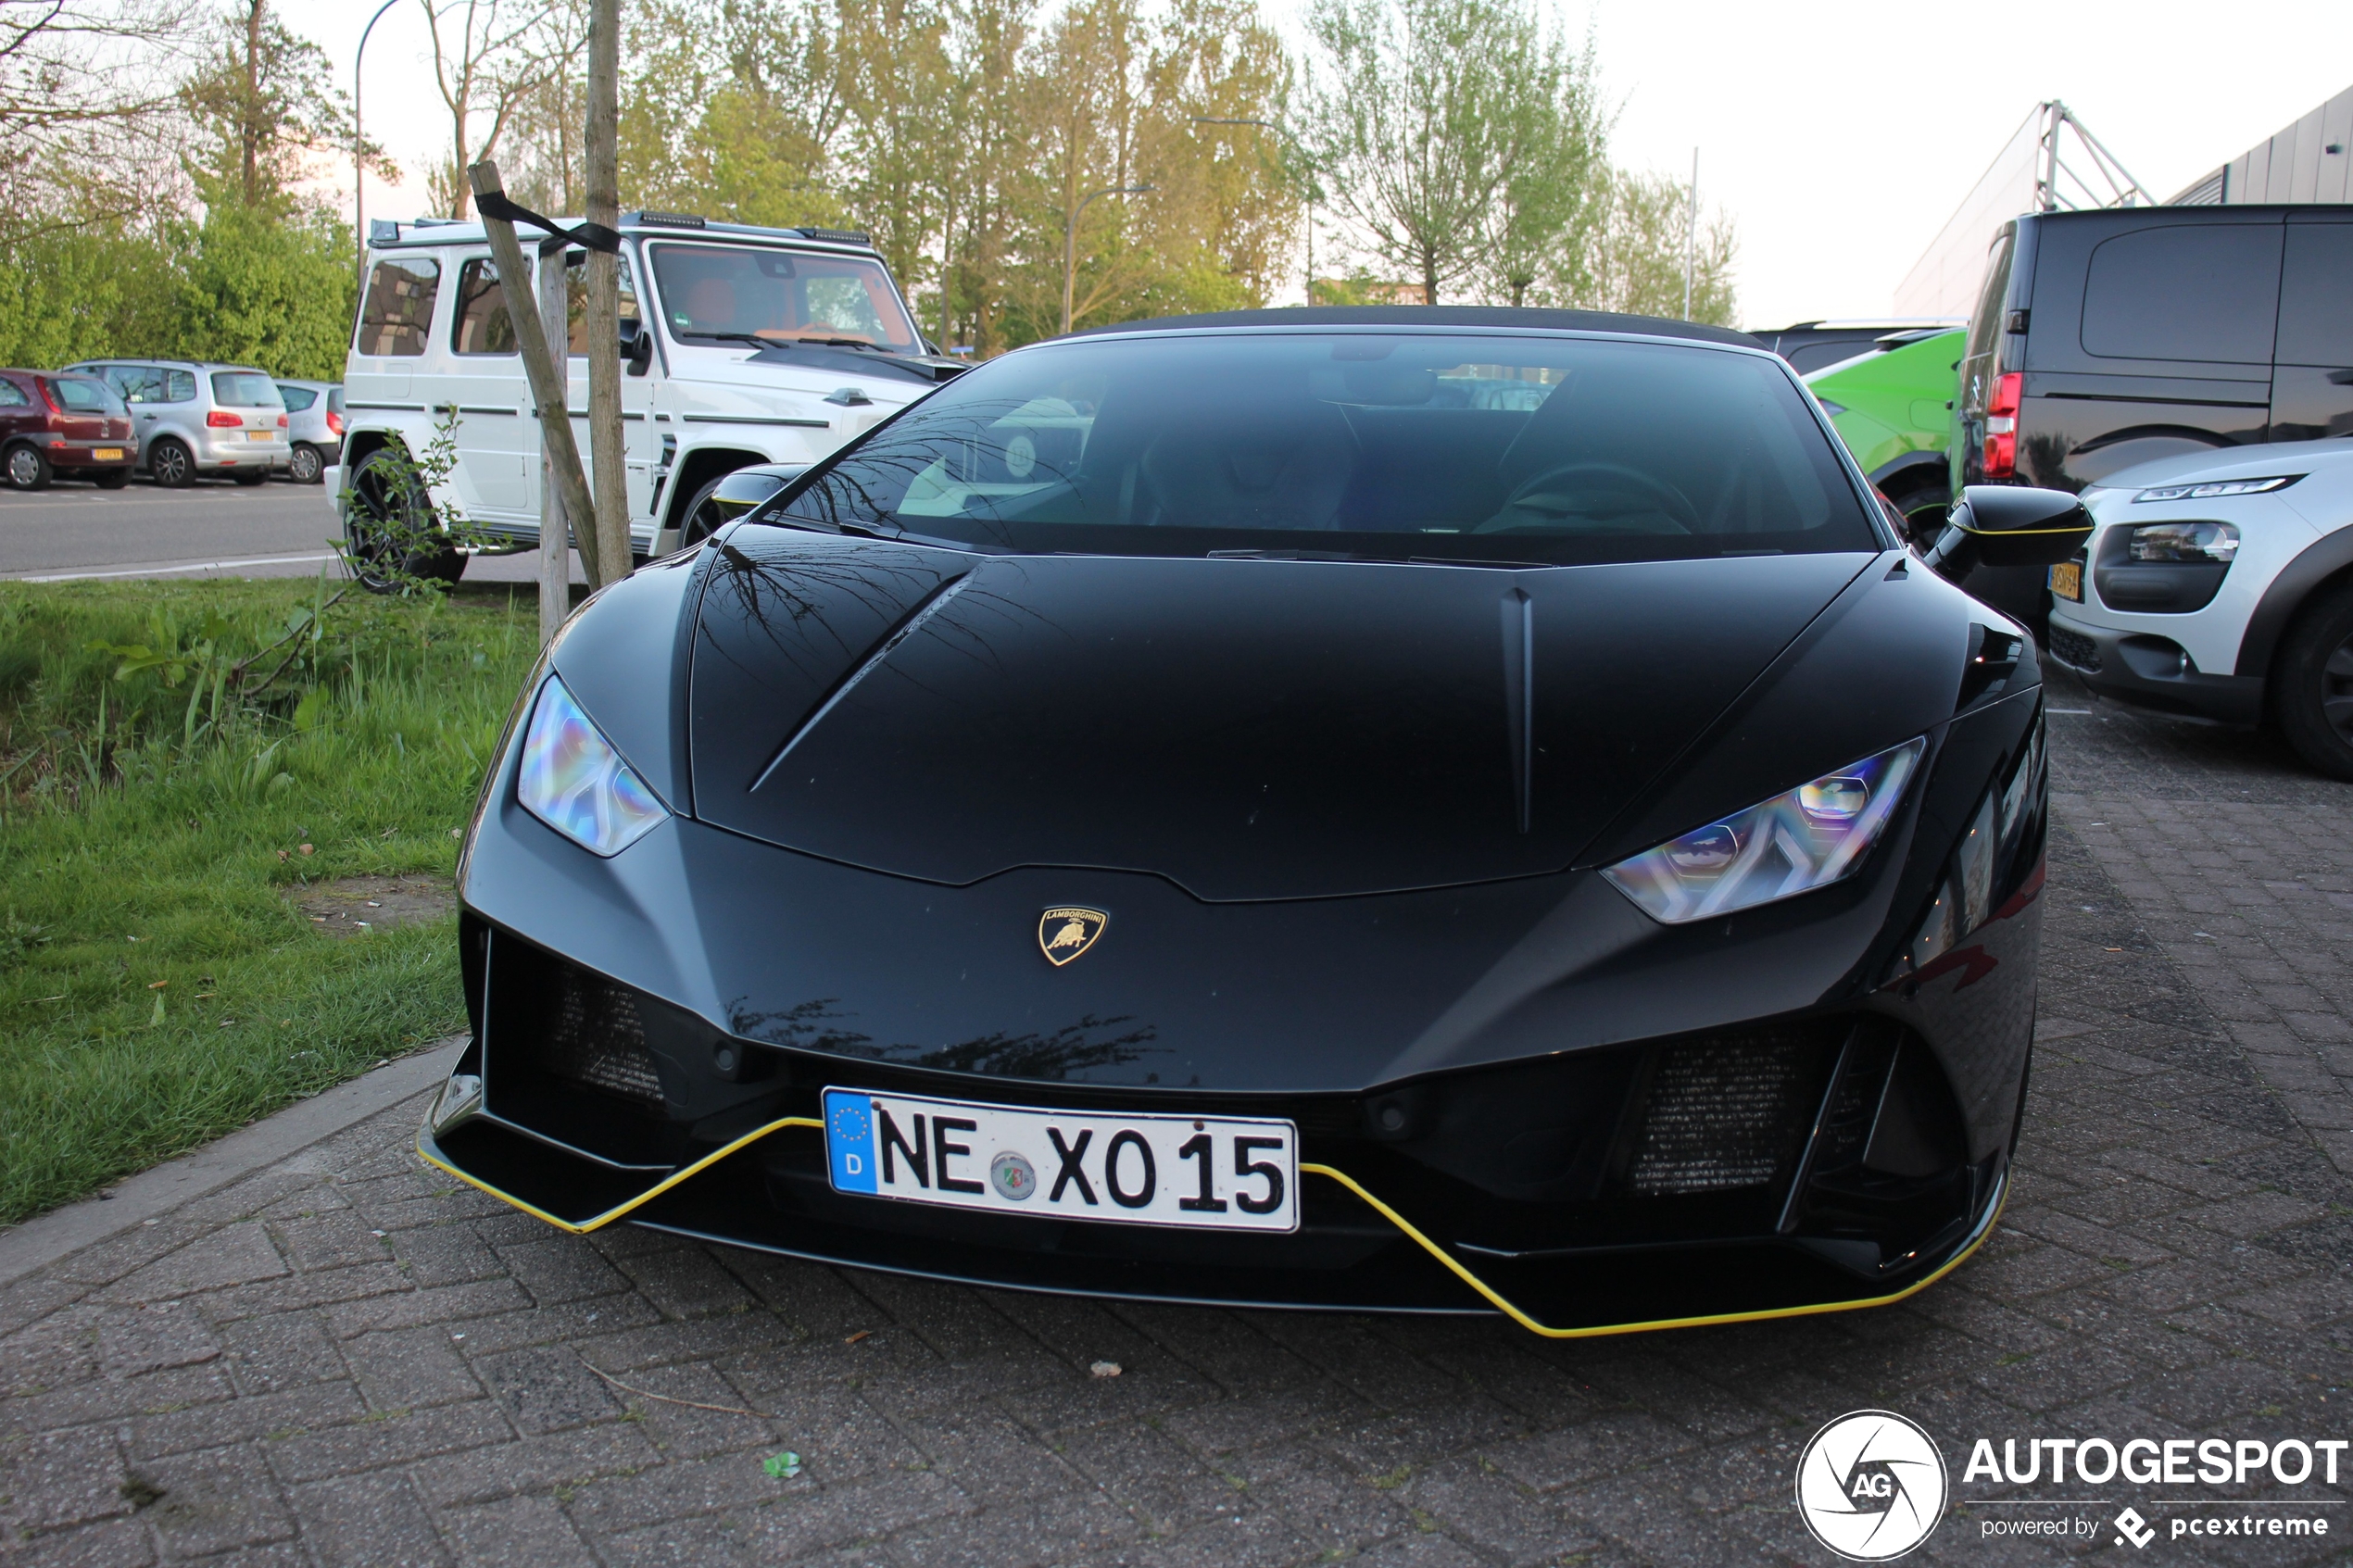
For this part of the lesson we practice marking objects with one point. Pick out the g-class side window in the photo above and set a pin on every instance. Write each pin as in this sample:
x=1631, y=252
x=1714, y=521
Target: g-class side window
x=397, y=313
x=483, y=325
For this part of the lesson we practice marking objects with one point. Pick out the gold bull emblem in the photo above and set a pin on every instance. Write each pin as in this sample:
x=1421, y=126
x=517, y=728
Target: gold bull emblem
x=1062, y=934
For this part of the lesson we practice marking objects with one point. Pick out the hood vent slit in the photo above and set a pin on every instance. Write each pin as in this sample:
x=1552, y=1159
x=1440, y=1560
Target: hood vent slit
x=908, y=626
x=1519, y=695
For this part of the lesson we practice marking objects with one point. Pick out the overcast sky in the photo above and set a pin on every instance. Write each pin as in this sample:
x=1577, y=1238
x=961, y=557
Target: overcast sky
x=1838, y=136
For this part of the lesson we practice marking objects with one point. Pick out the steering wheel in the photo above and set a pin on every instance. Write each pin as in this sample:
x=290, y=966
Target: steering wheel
x=1548, y=499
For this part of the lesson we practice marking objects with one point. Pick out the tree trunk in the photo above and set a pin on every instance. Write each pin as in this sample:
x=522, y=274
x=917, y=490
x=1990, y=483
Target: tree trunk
x=603, y=315
x=1430, y=278
x=249, y=115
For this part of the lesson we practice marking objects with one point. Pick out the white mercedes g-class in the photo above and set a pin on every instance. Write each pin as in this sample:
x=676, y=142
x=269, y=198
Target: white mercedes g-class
x=741, y=346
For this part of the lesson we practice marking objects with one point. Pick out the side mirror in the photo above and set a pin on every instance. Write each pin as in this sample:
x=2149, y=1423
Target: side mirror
x=2008, y=525
x=637, y=347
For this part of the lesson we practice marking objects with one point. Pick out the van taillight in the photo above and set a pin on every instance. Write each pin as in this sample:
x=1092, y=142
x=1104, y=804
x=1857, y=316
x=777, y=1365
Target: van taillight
x=2001, y=426
x=221, y=419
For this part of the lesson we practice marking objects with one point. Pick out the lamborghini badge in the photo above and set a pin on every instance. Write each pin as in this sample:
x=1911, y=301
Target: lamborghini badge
x=1062, y=934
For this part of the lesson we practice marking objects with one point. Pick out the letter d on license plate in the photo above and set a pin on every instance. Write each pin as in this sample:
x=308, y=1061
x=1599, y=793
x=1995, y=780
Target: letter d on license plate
x=1210, y=1172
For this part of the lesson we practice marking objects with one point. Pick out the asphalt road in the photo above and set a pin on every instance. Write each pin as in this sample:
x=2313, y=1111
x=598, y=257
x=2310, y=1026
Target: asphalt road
x=213, y=529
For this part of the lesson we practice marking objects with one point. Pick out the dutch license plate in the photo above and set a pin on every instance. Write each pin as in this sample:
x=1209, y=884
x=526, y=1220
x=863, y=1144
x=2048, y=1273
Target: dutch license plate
x=1212, y=1172
x=2067, y=579
x=261, y=436
x=108, y=453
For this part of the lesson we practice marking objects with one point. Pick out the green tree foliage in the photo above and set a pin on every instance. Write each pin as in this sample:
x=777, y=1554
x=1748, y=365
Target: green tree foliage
x=1635, y=262
x=965, y=134
x=1468, y=148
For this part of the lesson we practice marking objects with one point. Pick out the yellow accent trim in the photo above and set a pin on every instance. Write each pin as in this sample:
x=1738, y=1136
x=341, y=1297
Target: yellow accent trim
x=1386, y=1212
x=610, y=1215
x=1394, y=1218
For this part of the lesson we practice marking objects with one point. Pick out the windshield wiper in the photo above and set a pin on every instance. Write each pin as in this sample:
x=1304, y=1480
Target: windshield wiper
x=758, y=342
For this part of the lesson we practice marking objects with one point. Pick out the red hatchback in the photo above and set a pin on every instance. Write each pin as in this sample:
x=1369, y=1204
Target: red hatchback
x=60, y=424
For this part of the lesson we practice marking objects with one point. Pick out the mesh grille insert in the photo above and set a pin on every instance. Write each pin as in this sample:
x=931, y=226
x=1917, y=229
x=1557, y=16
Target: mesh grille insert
x=593, y=1036
x=1722, y=1114
x=2074, y=649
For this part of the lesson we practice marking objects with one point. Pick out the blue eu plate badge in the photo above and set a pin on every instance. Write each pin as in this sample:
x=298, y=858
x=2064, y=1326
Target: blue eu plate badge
x=850, y=1140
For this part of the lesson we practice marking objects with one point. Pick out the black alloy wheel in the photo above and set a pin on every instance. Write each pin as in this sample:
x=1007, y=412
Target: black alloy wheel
x=702, y=517
x=389, y=530
x=111, y=479
x=1923, y=506
x=27, y=469
x=2312, y=684
x=172, y=464
x=304, y=465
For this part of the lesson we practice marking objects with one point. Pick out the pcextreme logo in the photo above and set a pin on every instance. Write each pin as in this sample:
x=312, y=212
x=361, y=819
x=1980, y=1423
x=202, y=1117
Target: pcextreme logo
x=1871, y=1486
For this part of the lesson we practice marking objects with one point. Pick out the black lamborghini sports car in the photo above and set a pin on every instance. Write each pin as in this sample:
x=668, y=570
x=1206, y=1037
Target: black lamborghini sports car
x=1421, y=809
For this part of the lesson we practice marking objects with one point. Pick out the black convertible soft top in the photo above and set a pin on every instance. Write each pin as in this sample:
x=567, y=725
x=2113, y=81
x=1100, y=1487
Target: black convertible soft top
x=1456, y=315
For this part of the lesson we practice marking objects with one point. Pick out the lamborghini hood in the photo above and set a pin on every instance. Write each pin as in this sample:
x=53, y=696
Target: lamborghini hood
x=1249, y=729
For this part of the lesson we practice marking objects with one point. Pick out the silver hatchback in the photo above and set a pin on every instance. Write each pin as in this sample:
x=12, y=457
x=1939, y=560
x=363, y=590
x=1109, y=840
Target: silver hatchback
x=314, y=412
x=196, y=418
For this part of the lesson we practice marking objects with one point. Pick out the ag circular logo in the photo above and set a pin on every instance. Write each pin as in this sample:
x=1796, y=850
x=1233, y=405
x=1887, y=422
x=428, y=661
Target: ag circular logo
x=1871, y=1486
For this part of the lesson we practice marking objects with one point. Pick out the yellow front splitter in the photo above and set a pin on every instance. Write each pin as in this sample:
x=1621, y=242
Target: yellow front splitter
x=686, y=1173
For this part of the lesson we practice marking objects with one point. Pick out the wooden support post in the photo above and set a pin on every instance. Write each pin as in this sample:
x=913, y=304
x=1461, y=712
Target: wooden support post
x=554, y=525
x=549, y=377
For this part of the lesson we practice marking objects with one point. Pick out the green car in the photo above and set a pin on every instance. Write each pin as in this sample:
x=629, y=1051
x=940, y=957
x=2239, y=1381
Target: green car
x=1892, y=405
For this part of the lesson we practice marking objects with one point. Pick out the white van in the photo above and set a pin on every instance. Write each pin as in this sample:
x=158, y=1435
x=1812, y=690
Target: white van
x=742, y=346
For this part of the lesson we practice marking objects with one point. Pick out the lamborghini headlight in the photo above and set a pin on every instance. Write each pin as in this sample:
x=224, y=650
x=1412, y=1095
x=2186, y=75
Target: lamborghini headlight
x=1810, y=837
x=572, y=780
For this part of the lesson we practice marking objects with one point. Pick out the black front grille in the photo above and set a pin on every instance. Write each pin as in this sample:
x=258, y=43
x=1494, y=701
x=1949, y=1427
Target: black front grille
x=593, y=1036
x=2075, y=650
x=1724, y=1114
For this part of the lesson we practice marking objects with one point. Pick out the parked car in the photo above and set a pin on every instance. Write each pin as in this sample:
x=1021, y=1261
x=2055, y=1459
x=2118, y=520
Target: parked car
x=1082, y=838
x=1812, y=346
x=1893, y=405
x=314, y=428
x=743, y=345
x=2107, y=339
x=55, y=424
x=195, y=418
x=2221, y=585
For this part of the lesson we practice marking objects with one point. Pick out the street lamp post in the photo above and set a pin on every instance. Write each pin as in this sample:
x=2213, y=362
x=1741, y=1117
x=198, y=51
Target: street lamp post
x=1286, y=135
x=360, y=156
x=1070, y=241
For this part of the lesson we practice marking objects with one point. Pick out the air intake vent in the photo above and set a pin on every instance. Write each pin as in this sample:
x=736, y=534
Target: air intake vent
x=594, y=1037
x=1724, y=1114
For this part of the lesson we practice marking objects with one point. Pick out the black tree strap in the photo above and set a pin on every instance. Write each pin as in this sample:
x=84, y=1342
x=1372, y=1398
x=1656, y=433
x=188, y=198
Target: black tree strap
x=589, y=236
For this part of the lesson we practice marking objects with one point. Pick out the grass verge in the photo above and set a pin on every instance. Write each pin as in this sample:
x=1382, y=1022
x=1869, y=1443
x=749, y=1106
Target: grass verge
x=157, y=987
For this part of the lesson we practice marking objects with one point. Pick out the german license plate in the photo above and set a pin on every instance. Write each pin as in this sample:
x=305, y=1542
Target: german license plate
x=261, y=436
x=2067, y=579
x=108, y=453
x=1209, y=1173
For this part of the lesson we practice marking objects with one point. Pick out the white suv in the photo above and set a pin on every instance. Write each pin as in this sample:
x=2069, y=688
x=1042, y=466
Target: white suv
x=2220, y=586
x=743, y=345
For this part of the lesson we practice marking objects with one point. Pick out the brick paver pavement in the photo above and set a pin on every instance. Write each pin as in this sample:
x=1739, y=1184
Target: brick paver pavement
x=347, y=1359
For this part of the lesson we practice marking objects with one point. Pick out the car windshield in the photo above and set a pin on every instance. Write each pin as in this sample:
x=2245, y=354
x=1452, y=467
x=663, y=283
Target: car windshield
x=726, y=293
x=86, y=395
x=244, y=389
x=1457, y=447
